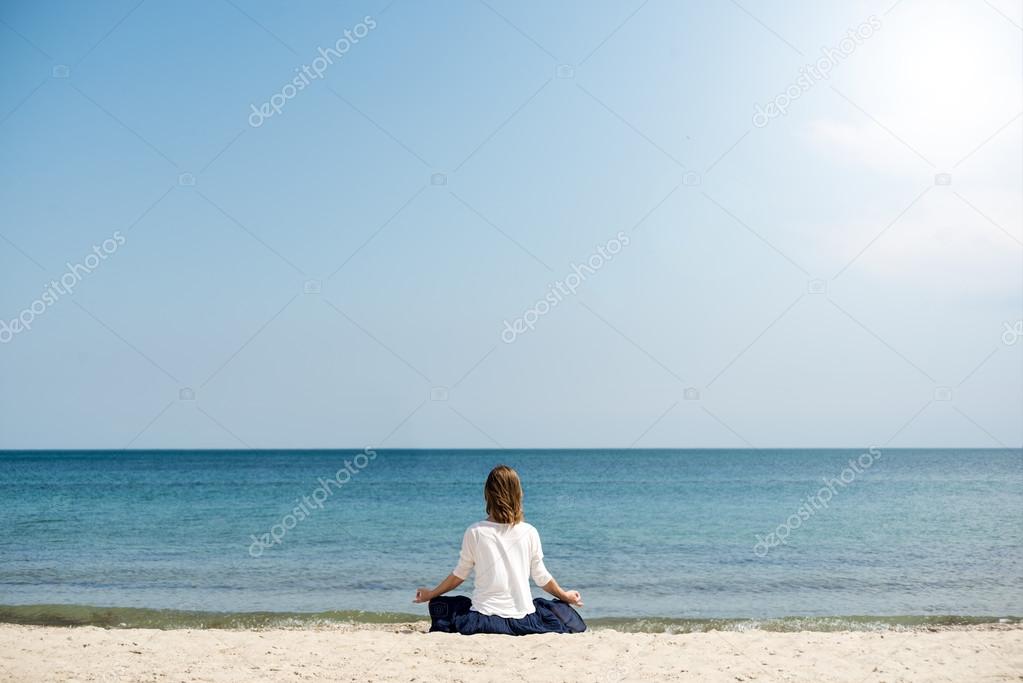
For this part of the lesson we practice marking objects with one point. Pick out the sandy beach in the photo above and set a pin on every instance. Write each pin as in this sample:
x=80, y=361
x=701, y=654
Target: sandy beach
x=406, y=653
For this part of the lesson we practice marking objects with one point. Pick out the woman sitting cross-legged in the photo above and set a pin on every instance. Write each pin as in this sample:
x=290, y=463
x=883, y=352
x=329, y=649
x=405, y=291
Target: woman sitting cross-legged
x=504, y=551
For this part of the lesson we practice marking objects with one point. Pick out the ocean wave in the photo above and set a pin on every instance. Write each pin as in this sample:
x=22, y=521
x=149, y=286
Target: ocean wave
x=141, y=617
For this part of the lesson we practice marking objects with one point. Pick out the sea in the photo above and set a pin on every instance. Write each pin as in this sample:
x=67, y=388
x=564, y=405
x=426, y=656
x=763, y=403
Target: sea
x=655, y=540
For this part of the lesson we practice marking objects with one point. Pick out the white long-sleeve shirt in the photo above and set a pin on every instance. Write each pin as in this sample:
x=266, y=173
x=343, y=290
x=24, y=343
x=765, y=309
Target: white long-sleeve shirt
x=504, y=557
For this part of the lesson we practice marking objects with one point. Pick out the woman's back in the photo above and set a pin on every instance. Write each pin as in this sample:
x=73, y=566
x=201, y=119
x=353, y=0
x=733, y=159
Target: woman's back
x=504, y=557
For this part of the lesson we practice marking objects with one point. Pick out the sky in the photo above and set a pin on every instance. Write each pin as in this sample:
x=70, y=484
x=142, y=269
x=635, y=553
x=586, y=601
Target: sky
x=511, y=224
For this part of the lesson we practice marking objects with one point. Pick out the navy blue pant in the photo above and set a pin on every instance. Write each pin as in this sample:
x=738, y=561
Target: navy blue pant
x=454, y=615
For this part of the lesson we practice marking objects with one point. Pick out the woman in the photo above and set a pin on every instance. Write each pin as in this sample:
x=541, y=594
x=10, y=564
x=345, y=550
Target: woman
x=505, y=551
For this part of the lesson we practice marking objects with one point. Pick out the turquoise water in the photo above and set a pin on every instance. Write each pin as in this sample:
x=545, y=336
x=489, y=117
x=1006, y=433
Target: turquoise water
x=917, y=535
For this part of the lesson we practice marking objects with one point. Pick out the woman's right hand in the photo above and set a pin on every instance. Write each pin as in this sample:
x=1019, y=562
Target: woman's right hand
x=423, y=595
x=573, y=598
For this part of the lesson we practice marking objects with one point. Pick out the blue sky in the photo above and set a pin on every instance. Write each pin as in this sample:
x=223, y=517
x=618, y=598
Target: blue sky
x=848, y=273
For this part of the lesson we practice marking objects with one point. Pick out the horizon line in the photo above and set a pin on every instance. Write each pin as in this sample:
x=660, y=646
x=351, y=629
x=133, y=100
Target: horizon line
x=510, y=448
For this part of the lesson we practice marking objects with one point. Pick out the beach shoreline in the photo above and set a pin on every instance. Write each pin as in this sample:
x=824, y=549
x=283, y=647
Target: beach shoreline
x=119, y=617
x=405, y=652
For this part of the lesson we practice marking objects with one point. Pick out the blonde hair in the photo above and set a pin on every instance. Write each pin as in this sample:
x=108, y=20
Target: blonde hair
x=503, y=493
